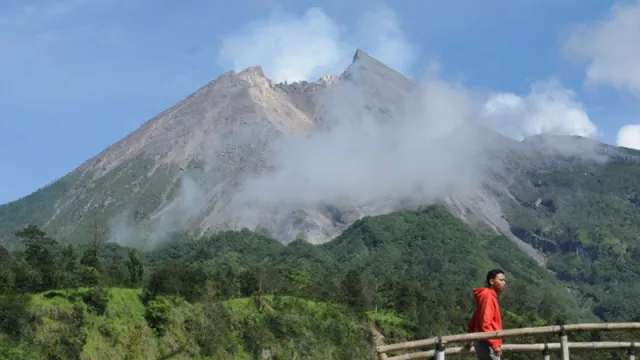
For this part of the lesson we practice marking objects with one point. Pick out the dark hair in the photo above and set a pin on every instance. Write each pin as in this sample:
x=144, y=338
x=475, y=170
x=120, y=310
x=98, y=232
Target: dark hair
x=493, y=273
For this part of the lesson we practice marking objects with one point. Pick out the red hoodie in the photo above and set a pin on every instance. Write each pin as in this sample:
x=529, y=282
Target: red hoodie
x=486, y=317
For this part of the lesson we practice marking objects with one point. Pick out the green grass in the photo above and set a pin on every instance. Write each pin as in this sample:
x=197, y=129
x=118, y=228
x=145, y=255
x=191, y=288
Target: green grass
x=121, y=333
x=392, y=326
x=290, y=327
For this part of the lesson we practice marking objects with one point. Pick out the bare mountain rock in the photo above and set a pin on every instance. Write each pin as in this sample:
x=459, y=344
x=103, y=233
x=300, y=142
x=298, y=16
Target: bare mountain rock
x=220, y=132
x=183, y=169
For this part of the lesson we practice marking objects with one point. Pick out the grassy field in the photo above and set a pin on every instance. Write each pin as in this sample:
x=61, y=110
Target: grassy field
x=281, y=327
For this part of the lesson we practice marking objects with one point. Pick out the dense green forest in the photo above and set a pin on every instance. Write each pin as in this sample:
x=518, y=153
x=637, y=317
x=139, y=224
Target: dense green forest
x=587, y=220
x=239, y=295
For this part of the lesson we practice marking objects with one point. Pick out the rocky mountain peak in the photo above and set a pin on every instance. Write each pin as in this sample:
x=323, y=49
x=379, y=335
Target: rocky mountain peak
x=363, y=56
x=255, y=76
x=368, y=70
x=329, y=79
x=182, y=169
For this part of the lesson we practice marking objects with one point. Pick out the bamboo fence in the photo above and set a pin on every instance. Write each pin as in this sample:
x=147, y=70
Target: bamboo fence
x=563, y=346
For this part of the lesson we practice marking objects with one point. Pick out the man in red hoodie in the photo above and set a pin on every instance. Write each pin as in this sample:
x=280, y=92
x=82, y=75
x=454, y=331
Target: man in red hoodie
x=486, y=316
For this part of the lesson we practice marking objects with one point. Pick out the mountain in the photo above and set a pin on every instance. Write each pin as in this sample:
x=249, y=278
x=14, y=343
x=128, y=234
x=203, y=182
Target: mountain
x=221, y=130
x=181, y=168
x=211, y=163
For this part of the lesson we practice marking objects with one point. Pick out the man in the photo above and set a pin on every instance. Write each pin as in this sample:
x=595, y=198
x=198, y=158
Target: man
x=486, y=316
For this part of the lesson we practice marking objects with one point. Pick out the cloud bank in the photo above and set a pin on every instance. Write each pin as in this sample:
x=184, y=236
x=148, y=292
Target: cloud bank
x=547, y=109
x=294, y=48
x=430, y=149
x=175, y=216
x=428, y=146
x=629, y=136
x=609, y=47
x=432, y=145
x=305, y=47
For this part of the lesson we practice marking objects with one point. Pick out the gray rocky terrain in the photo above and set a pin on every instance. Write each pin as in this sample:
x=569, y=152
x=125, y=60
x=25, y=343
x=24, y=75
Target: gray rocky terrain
x=275, y=158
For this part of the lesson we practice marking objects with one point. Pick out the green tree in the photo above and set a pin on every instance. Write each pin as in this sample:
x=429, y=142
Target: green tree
x=89, y=276
x=5, y=256
x=6, y=271
x=90, y=257
x=300, y=282
x=69, y=267
x=157, y=312
x=134, y=265
x=211, y=326
x=14, y=314
x=228, y=281
x=352, y=290
x=26, y=278
x=39, y=255
x=176, y=278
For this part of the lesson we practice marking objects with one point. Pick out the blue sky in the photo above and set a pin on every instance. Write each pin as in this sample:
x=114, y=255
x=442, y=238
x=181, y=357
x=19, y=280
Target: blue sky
x=78, y=75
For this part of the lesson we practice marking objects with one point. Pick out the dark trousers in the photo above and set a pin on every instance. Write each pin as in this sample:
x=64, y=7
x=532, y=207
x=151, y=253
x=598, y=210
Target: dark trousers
x=484, y=351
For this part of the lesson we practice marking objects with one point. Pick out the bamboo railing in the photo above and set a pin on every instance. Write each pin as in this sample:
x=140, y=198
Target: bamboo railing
x=563, y=346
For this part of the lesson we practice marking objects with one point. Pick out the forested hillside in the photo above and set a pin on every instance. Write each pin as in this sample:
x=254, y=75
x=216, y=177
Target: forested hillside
x=587, y=221
x=238, y=295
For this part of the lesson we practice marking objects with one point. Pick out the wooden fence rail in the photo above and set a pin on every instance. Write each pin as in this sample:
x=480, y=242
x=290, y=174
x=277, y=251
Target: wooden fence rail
x=564, y=345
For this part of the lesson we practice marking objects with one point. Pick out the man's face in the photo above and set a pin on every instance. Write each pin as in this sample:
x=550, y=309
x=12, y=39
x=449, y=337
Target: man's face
x=498, y=283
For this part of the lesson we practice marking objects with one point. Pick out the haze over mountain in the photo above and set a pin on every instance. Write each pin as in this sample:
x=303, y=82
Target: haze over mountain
x=304, y=159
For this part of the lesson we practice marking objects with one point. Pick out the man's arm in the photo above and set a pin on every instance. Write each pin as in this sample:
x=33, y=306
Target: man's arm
x=470, y=329
x=489, y=308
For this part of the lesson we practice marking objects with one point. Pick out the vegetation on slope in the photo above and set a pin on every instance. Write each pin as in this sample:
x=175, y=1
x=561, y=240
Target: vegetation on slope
x=241, y=328
x=69, y=206
x=242, y=295
x=32, y=209
x=587, y=221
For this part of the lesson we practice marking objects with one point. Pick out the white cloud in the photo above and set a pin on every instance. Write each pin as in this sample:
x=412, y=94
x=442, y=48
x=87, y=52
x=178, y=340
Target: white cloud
x=305, y=47
x=629, y=136
x=426, y=149
x=610, y=46
x=294, y=48
x=431, y=148
x=547, y=109
x=287, y=47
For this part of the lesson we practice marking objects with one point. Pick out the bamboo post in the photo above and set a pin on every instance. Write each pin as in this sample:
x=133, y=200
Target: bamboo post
x=546, y=353
x=564, y=343
x=632, y=352
x=439, y=350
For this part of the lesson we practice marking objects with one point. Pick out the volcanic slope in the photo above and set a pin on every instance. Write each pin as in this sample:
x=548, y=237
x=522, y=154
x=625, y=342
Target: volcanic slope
x=183, y=169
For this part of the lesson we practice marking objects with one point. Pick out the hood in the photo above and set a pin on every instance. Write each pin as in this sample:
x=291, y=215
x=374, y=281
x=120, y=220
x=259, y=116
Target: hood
x=482, y=292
